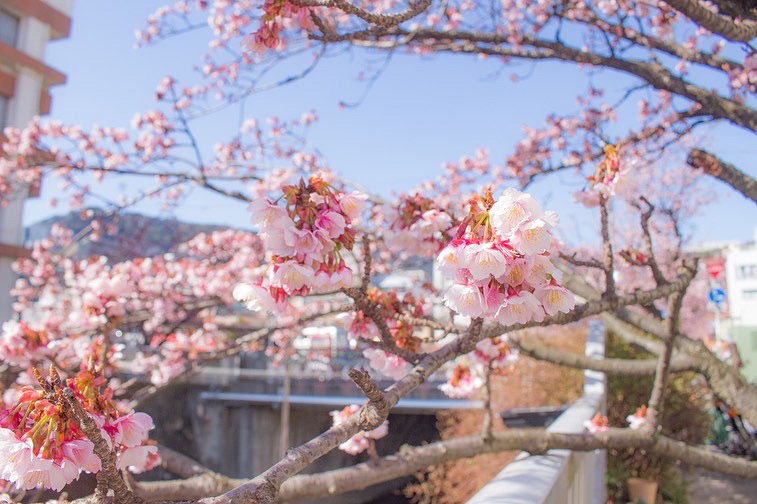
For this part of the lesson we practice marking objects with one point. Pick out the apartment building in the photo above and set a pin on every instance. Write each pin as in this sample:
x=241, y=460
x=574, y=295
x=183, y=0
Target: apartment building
x=741, y=280
x=26, y=27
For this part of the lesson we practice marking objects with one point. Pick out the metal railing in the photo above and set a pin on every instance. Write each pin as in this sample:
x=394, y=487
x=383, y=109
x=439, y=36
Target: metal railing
x=560, y=476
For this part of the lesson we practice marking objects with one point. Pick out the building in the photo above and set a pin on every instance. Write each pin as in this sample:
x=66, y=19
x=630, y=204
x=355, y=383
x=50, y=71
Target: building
x=732, y=275
x=26, y=26
x=741, y=280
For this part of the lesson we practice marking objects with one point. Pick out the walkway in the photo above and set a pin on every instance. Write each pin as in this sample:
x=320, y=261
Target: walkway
x=707, y=487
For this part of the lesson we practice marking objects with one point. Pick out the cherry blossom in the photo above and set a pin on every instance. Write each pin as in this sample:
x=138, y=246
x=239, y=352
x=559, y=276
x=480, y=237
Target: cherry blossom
x=415, y=227
x=637, y=419
x=461, y=382
x=388, y=365
x=498, y=262
x=360, y=441
x=598, y=423
x=40, y=444
x=307, y=240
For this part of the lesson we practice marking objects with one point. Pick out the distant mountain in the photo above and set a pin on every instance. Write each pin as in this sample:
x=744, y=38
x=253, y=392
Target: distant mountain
x=136, y=235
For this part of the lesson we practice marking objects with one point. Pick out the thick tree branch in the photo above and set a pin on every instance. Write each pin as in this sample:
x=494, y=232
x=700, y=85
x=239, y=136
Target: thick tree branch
x=726, y=172
x=608, y=257
x=737, y=30
x=533, y=48
x=725, y=380
x=628, y=367
x=662, y=373
x=410, y=460
x=109, y=472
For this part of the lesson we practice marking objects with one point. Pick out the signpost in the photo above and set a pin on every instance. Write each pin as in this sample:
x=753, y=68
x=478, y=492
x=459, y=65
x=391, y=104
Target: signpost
x=717, y=298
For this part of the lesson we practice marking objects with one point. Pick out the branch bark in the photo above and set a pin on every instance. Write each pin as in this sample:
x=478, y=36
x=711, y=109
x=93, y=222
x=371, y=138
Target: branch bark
x=533, y=48
x=725, y=172
x=725, y=380
x=732, y=29
x=629, y=367
x=411, y=459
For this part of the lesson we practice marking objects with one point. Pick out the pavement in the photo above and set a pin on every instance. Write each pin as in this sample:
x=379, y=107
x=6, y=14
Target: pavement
x=707, y=487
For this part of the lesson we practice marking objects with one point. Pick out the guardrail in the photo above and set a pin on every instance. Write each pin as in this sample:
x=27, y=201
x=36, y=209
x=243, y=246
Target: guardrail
x=560, y=476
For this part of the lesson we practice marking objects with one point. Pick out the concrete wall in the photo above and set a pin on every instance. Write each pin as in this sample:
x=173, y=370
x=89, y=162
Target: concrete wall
x=560, y=476
x=243, y=440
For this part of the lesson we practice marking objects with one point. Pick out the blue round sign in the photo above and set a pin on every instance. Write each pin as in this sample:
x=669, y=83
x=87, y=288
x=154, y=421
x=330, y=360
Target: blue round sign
x=717, y=296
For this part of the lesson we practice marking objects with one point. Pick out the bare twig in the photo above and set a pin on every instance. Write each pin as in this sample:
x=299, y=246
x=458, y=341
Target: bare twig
x=651, y=260
x=608, y=258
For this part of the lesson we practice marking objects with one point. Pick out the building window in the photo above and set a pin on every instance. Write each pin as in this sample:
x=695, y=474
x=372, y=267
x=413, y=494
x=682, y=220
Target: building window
x=746, y=271
x=3, y=111
x=8, y=28
x=749, y=295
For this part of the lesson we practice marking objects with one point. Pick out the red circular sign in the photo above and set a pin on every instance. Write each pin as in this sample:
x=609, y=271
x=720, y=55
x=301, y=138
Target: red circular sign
x=715, y=267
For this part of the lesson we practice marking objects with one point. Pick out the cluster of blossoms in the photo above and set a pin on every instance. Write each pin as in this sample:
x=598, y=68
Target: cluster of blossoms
x=403, y=333
x=388, y=364
x=492, y=355
x=462, y=382
x=606, y=179
x=67, y=308
x=278, y=14
x=43, y=445
x=608, y=173
x=597, y=424
x=415, y=226
x=362, y=440
x=499, y=264
x=307, y=239
x=392, y=306
x=638, y=419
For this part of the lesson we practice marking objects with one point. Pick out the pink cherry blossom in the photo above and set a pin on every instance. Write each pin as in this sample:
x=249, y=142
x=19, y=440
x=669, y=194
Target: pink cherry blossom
x=138, y=459
x=484, y=260
x=637, y=419
x=461, y=382
x=555, y=298
x=465, y=300
x=389, y=365
x=360, y=441
x=519, y=309
x=131, y=429
x=597, y=424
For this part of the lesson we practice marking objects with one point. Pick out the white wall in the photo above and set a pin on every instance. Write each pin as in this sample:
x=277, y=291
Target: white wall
x=741, y=277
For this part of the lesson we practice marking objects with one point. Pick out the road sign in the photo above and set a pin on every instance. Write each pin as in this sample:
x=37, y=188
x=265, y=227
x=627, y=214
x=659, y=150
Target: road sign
x=716, y=296
x=715, y=267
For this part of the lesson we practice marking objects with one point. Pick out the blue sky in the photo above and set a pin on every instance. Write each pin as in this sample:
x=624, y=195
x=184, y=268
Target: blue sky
x=418, y=115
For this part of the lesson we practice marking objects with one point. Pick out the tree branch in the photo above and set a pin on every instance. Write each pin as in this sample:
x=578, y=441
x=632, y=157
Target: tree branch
x=725, y=380
x=662, y=373
x=629, y=367
x=410, y=460
x=732, y=29
x=726, y=172
x=532, y=48
x=380, y=20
